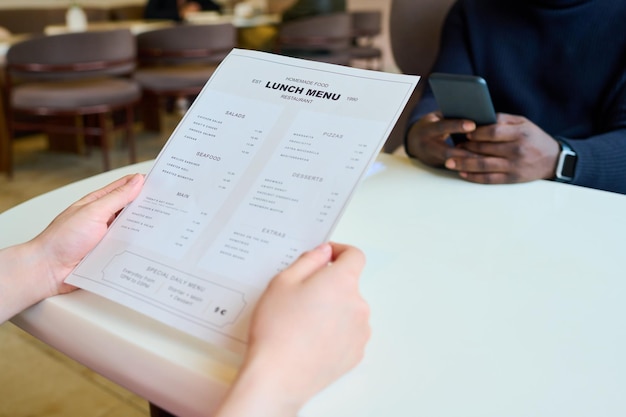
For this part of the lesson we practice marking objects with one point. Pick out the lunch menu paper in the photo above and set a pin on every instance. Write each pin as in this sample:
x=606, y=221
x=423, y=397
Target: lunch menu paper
x=258, y=170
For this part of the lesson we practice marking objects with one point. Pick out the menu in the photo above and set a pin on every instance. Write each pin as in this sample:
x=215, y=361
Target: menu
x=258, y=171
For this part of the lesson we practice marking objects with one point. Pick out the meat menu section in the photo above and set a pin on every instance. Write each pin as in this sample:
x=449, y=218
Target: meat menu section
x=258, y=171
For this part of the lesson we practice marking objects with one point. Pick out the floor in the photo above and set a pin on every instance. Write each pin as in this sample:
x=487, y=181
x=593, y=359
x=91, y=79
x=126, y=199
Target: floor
x=36, y=380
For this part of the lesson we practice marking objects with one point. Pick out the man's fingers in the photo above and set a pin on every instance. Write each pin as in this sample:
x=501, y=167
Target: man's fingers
x=479, y=165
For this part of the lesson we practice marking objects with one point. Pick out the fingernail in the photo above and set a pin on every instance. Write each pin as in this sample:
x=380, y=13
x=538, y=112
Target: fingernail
x=324, y=248
x=468, y=126
x=450, y=164
x=135, y=179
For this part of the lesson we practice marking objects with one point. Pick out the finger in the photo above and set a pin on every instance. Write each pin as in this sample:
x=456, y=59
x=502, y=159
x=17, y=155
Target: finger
x=506, y=129
x=510, y=119
x=455, y=158
x=447, y=127
x=458, y=153
x=95, y=195
x=487, y=178
x=501, y=149
x=432, y=117
x=115, y=196
x=479, y=164
x=347, y=259
x=347, y=253
x=308, y=263
x=339, y=249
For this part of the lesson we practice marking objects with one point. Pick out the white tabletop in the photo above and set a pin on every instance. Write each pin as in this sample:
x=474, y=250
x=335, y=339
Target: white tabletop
x=205, y=18
x=140, y=26
x=135, y=26
x=486, y=301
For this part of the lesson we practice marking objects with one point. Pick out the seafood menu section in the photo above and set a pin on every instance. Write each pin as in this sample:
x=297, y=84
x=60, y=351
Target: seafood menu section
x=259, y=170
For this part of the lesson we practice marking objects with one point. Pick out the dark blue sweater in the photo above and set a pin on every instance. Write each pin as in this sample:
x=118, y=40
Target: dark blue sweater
x=559, y=63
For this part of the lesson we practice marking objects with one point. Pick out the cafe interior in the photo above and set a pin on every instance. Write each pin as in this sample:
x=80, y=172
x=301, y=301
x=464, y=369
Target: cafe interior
x=150, y=71
x=136, y=121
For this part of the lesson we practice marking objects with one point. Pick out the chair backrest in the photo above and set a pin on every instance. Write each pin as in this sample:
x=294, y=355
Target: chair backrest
x=330, y=32
x=367, y=23
x=186, y=43
x=414, y=30
x=415, y=27
x=73, y=55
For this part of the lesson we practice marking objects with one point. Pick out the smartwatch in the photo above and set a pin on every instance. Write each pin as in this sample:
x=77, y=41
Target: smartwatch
x=566, y=164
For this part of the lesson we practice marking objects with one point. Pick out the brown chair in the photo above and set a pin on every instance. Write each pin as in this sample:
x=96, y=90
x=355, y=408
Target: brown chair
x=324, y=38
x=366, y=27
x=76, y=84
x=415, y=31
x=5, y=142
x=176, y=62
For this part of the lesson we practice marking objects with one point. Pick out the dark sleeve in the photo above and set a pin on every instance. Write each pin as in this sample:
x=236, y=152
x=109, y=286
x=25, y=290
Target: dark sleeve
x=601, y=161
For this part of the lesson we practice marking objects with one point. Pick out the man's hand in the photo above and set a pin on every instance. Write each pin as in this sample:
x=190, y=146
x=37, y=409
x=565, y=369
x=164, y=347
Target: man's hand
x=511, y=151
x=426, y=139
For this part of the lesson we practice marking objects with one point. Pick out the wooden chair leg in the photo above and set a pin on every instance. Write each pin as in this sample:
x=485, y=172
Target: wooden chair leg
x=104, y=140
x=130, y=134
x=150, y=112
x=6, y=140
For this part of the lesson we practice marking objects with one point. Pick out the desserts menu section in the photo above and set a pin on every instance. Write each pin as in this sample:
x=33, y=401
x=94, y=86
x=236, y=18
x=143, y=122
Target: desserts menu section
x=259, y=169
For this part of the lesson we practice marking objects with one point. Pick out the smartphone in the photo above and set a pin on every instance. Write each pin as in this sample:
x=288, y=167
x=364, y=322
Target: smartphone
x=463, y=97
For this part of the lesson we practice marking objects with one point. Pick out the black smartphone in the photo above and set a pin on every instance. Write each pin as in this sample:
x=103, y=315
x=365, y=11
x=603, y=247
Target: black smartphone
x=463, y=97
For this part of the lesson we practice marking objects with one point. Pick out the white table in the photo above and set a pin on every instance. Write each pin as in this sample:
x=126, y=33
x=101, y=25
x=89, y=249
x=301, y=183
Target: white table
x=135, y=26
x=486, y=301
x=240, y=22
x=200, y=18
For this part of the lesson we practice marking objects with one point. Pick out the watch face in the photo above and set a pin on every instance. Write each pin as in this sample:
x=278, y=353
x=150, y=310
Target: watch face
x=566, y=166
x=569, y=166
